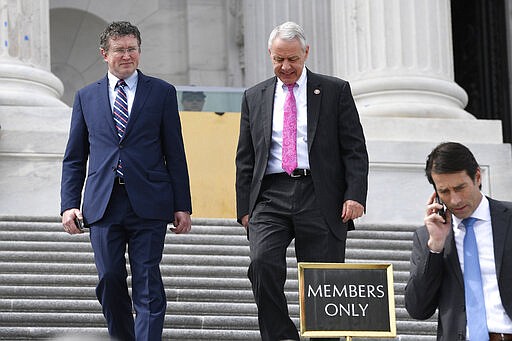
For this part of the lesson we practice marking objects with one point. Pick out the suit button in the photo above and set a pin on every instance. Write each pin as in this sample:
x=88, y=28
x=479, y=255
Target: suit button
x=121, y=146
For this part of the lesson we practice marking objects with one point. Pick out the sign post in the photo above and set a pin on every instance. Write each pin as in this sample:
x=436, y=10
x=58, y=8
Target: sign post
x=346, y=300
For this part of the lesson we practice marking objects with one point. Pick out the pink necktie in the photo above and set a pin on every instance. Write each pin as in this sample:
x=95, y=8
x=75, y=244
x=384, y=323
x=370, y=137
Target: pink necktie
x=290, y=132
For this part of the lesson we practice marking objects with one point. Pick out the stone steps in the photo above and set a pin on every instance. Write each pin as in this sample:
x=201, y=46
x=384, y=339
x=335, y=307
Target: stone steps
x=48, y=278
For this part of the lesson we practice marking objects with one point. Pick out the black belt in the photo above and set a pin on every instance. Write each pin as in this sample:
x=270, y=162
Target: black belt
x=500, y=337
x=119, y=181
x=299, y=173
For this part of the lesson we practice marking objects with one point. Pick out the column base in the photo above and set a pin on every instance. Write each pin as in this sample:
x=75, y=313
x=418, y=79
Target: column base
x=469, y=130
x=32, y=142
x=398, y=149
x=410, y=96
x=23, y=85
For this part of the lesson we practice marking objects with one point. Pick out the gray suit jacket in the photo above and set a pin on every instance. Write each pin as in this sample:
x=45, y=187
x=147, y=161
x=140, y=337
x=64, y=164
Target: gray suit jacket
x=436, y=280
x=336, y=144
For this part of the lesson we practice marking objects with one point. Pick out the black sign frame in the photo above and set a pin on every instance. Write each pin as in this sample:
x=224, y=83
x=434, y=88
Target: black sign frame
x=386, y=328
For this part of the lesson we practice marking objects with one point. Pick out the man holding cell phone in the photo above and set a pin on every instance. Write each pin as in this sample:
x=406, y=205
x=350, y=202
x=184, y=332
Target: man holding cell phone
x=461, y=264
x=125, y=150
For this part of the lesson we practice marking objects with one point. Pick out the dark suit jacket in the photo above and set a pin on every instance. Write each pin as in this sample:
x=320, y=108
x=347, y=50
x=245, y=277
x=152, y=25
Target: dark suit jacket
x=436, y=279
x=152, y=151
x=336, y=144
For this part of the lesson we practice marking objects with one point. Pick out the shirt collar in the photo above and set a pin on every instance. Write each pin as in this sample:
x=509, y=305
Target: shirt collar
x=300, y=82
x=482, y=212
x=130, y=81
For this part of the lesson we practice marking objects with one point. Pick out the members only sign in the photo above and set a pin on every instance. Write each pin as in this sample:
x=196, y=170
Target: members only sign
x=340, y=299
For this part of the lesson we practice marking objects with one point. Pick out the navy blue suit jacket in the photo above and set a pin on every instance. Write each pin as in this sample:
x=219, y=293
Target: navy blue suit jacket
x=154, y=163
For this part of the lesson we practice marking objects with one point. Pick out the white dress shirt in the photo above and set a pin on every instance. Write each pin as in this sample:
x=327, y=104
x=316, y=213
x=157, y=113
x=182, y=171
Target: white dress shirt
x=276, y=148
x=497, y=319
x=130, y=88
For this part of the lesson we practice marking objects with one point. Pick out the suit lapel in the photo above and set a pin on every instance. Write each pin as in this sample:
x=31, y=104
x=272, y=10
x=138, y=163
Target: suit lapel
x=453, y=258
x=500, y=220
x=104, y=103
x=314, y=98
x=141, y=94
x=267, y=94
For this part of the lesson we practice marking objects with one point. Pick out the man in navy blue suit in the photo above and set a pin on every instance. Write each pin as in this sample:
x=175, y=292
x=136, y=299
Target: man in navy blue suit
x=137, y=183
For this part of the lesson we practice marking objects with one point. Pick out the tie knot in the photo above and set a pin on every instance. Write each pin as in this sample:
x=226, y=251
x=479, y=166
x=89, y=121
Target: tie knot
x=120, y=83
x=290, y=87
x=469, y=222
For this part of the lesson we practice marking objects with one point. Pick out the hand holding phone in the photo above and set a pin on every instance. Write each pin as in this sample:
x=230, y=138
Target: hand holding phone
x=441, y=211
x=79, y=224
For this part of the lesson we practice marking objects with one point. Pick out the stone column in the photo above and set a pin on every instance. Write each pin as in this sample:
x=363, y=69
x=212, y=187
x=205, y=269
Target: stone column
x=34, y=122
x=398, y=57
x=261, y=16
x=25, y=76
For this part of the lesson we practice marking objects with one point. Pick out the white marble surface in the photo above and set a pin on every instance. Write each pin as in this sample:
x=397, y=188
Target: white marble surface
x=418, y=129
x=25, y=77
x=183, y=42
x=32, y=142
x=30, y=184
x=205, y=42
x=398, y=188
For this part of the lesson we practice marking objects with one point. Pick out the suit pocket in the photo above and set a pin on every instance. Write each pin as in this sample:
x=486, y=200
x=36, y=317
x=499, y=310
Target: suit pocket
x=159, y=176
x=89, y=174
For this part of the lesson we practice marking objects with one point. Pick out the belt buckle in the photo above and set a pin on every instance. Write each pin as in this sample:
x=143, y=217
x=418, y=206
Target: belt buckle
x=294, y=174
x=499, y=336
x=299, y=172
x=120, y=181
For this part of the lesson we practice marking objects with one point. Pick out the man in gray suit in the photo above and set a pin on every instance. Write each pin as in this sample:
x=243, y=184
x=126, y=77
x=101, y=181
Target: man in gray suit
x=304, y=179
x=474, y=299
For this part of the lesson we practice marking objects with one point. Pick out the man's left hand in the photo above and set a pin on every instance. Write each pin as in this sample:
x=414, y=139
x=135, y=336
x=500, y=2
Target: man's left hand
x=351, y=210
x=182, y=223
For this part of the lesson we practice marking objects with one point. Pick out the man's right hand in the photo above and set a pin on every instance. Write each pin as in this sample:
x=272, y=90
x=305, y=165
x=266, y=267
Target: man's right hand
x=438, y=229
x=245, y=221
x=68, y=220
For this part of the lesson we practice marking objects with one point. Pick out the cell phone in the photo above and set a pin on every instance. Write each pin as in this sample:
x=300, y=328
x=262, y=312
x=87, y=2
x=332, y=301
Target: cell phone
x=79, y=224
x=441, y=211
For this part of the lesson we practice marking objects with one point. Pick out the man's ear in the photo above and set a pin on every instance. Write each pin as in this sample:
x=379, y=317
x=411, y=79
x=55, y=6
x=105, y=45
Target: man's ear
x=478, y=177
x=103, y=54
x=307, y=52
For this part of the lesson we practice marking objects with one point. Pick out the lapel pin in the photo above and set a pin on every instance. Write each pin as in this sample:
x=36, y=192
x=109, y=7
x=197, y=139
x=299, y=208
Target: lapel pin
x=316, y=92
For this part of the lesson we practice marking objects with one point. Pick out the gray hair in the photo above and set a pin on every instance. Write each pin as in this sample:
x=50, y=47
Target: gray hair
x=288, y=31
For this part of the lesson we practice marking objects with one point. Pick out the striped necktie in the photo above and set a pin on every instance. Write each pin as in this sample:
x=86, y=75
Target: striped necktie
x=120, y=114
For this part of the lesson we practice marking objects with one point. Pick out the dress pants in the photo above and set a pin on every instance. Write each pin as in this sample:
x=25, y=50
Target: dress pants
x=120, y=227
x=286, y=209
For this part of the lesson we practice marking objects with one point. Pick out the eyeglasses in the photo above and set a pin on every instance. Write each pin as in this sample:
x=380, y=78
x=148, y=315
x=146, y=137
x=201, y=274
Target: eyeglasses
x=121, y=52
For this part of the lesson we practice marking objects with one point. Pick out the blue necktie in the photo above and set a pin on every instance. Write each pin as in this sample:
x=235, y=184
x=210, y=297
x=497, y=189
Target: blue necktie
x=120, y=113
x=473, y=290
